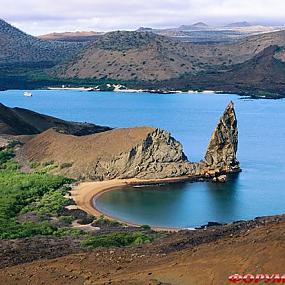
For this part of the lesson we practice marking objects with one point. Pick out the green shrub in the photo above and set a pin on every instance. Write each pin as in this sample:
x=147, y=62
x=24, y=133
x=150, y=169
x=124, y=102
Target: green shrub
x=66, y=219
x=42, y=193
x=86, y=220
x=9, y=165
x=11, y=229
x=51, y=203
x=68, y=232
x=48, y=163
x=46, y=167
x=34, y=164
x=5, y=156
x=116, y=240
x=146, y=227
x=65, y=165
x=14, y=143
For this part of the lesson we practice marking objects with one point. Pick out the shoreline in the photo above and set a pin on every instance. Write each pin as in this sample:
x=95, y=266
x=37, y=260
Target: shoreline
x=241, y=93
x=85, y=194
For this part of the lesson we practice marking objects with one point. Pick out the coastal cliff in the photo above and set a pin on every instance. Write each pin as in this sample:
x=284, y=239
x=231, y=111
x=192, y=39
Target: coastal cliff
x=141, y=152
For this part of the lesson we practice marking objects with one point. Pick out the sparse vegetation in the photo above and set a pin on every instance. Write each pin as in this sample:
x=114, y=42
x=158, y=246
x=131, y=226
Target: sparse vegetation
x=20, y=193
x=65, y=165
x=86, y=220
x=145, y=227
x=117, y=240
x=34, y=164
x=19, y=47
x=34, y=204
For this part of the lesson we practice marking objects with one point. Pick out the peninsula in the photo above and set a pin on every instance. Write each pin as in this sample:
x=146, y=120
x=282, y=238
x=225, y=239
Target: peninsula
x=141, y=152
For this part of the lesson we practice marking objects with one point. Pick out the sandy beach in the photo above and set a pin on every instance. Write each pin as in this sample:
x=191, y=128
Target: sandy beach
x=85, y=193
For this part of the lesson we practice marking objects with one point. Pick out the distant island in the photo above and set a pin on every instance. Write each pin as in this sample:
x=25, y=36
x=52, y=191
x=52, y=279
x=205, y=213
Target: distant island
x=148, y=59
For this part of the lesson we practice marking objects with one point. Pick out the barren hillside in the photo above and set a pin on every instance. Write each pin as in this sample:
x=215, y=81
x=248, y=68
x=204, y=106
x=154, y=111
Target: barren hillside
x=147, y=56
x=18, y=121
x=18, y=48
x=119, y=153
x=185, y=258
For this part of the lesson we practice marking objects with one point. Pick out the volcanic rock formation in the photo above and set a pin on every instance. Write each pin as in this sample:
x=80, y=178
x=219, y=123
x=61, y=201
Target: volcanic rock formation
x=141, y=152
x=221, y=152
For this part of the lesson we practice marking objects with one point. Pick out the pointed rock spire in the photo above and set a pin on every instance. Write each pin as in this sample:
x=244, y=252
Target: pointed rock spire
x=222, y=149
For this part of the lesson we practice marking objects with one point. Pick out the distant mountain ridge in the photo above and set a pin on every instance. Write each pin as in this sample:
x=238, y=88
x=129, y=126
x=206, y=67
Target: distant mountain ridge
x=239, y=24
x=198, y=32
x=71, y=36
x=195, y=26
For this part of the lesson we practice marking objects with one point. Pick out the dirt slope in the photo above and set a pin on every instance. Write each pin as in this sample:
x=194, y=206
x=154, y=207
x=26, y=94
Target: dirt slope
x=18, y=121
x=264, y=72
x=59, y=145
x=119, y=153
x=176, y=260
x=147, y=56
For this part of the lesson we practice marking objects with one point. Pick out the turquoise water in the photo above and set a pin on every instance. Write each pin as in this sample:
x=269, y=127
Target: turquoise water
x=259, y=190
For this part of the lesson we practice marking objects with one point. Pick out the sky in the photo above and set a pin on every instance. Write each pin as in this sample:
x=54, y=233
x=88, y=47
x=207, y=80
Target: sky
x=38, y=17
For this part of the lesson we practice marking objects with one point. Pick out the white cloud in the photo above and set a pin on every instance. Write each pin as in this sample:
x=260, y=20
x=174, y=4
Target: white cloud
x=43, y=16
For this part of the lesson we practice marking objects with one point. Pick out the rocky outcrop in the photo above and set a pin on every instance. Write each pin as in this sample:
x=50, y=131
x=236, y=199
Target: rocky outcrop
x=222, y=149
x=157, y=156
x=142, y=152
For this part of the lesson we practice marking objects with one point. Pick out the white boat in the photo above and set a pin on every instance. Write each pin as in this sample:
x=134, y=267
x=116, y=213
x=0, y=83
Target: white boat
x=28, y=94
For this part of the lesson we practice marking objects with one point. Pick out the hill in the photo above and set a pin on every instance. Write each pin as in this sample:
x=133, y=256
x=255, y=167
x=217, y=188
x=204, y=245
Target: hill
x=119, y=153
x=145, y=56
x=265, y=71
x=194, y=27
x=261, y=76
x=18, y=48
x=71, y=36
x=18, y=121
x=129, y=56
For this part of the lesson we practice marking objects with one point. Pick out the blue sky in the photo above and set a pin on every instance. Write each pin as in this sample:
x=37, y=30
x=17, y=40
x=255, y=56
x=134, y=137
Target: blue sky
x=43, y=16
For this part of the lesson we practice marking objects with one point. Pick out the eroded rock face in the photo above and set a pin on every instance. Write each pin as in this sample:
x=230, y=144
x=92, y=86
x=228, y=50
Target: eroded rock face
x=222, y=149
x=142, y=152
x=157, y=156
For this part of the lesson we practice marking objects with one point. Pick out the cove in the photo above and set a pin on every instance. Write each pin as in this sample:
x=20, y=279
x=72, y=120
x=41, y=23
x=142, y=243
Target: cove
x=257, y=191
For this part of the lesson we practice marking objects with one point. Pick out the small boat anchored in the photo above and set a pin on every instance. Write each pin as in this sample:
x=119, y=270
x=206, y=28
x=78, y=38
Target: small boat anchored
x=28, y=94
